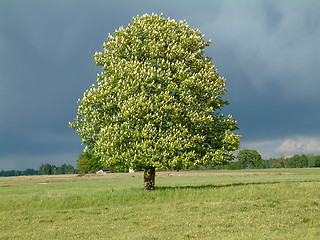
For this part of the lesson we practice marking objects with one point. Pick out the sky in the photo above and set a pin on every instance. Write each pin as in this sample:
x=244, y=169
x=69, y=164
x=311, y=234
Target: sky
x=267, y=50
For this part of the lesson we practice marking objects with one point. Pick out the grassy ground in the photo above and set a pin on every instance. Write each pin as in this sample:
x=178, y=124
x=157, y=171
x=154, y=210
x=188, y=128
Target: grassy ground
x=252, y=204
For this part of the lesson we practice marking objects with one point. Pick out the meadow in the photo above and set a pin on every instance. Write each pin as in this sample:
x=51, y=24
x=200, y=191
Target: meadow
x=220, y=204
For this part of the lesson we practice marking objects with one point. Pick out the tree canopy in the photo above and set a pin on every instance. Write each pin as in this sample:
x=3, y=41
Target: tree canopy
x=249, y=158
x=157, y=100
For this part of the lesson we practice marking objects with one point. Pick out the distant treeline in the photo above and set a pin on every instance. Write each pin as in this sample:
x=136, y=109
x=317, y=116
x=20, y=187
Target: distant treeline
x=44, y=169
x=89, y=164
x=48, y=169
x=29, y=171
x=296, y=161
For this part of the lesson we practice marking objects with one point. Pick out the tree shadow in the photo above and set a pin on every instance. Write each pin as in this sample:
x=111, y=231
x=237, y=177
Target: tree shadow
x=213, y=186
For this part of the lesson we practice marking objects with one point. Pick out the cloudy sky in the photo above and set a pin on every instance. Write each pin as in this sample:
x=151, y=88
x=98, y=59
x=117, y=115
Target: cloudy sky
x=267, y=50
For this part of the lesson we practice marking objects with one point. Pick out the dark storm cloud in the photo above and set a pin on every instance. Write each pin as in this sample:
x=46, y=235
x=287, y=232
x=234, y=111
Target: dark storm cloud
x=267, y=50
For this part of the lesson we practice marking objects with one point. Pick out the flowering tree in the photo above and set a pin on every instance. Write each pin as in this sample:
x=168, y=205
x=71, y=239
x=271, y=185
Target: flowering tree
x=157, y=102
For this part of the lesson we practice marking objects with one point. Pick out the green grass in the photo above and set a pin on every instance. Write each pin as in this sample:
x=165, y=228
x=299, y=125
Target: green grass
x=246, y=204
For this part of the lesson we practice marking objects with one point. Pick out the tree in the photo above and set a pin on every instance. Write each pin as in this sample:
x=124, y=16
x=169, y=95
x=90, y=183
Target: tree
x=88, y=162
x=313, y=161
x=249, y=158
x=46, y=169
x=30, y=171
x=281, y=162
x=298, y=161
x=62, y=169
x=70, y=169
x=83, y=163
x=157, y=102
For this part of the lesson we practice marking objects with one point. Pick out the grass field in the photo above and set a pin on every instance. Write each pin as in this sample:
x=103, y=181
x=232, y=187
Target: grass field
x=246, y=204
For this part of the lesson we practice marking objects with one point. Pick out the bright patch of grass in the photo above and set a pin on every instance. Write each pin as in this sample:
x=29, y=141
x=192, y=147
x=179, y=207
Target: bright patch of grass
x=263, y=204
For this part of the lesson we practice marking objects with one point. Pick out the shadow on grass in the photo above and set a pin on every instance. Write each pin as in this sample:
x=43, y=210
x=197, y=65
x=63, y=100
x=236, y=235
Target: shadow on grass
x=208, y=186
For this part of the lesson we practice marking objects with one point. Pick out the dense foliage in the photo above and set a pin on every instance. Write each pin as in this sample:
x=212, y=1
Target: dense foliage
x=44, y=169
x=157, y=102
x=249, y=158
x=49, y=169
x=88, y=163
x=27, y=172
x=296, y=161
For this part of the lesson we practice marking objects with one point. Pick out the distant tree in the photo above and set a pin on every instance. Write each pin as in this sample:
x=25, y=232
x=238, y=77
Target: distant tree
x=83, y=163
x=46, y=169
x=249, y=158
x=303, y=161
x=298, y=161
x=234, y=165
x=313, y=161
x=269, y=163
x=50, y=169
x=70, y=169
x=291, y=162
x=88, y=163
x=30, y=171
x=9, y=173
x=316, y=161
x=157, y=102
x=62, y=169
x=281, y=162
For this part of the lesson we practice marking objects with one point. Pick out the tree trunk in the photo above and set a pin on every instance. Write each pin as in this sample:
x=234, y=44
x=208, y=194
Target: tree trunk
x=149, y=178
